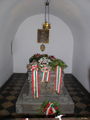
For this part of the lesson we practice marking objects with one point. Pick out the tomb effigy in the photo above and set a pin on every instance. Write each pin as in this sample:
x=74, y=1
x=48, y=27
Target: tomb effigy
x=44, y=83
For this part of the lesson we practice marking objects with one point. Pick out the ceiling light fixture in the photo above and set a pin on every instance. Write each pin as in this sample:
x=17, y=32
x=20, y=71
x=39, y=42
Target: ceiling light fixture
x=46, y=24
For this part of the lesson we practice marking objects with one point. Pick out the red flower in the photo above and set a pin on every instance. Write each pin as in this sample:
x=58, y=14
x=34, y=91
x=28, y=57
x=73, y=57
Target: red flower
x=50, y=111
x=52, y=58
x=56, y=108
x=37, y=55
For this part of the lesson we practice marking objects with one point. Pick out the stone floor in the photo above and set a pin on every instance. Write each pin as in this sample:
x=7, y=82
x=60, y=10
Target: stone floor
x=11, y=90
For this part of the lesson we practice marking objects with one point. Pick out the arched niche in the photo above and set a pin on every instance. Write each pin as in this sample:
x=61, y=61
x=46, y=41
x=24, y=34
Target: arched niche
x=25, y=42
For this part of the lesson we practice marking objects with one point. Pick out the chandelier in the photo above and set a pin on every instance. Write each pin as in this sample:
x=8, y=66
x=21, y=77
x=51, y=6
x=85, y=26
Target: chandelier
x=46, y=24
x=43, y=34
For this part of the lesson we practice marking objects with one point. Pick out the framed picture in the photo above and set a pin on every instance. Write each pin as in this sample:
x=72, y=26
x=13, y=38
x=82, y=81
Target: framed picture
x=43, y=36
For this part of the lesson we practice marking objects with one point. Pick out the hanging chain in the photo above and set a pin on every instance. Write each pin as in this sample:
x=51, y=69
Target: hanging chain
x=47, y=10
x=47, y=3
x=45, y=13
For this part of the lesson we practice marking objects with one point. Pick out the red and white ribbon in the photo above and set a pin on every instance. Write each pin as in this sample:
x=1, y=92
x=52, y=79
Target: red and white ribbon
x=45, y=74
x=58, y=79
x=49, y=109
x=35, y=81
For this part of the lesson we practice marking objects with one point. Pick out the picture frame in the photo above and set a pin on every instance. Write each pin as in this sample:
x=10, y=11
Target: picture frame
x=43, y=36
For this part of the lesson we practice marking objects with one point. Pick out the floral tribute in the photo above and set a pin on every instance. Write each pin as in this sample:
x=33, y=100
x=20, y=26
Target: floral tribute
x=45, y=64
x=50, y=108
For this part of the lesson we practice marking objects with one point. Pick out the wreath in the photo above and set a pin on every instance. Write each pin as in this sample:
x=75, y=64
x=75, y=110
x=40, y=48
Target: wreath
x=50, y=108
x=44, y=59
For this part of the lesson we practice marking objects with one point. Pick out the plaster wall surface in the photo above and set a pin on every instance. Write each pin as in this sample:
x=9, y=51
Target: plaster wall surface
x=25, y=43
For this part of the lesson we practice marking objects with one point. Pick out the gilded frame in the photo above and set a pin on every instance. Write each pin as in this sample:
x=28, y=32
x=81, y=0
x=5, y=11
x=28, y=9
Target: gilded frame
x=42, y=36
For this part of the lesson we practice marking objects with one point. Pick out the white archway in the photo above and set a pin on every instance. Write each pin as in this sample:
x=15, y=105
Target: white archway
x=25, y=43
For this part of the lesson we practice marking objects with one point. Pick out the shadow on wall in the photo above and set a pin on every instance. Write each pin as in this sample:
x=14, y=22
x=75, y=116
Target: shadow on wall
x=89, y=77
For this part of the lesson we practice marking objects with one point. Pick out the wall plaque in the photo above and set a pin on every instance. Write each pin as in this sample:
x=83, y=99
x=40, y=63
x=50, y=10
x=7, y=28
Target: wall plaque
x=43, y=36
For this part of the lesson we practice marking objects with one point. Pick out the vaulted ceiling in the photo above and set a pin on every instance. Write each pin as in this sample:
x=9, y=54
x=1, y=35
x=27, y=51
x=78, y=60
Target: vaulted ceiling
x=74, y=12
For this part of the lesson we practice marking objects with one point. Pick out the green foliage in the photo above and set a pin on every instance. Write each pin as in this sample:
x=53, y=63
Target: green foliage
x=54, y=61
x=36, y=57
x=58, y=62
x=56, y=104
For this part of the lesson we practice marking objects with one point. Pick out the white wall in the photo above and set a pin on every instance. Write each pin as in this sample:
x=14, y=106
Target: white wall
x=25, y=42
x=81, y=56
x=6, y=69
x=6, y=61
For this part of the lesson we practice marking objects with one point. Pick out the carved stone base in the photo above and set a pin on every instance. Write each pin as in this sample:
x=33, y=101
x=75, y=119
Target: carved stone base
x=27, y=104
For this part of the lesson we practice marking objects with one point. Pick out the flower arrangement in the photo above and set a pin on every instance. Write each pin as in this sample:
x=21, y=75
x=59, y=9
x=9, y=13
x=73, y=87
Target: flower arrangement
x=50, y=108
x=45, y=64
x=46, y=60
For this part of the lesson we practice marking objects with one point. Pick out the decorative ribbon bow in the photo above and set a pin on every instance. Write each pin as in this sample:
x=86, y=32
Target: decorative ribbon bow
x=49, y=109
x=34, y=67
x=46, y=74
x=35, y=81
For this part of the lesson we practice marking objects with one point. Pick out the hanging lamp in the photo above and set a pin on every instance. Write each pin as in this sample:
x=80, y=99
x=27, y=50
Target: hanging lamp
x=46, y=24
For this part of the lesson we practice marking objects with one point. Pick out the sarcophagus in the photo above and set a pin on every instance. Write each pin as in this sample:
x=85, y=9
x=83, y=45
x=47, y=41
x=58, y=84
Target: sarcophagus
x=46, y=88
x=49, y=89
x=26, y=103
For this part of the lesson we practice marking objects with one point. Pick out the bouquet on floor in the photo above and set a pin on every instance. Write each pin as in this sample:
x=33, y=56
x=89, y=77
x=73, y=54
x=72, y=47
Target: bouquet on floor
x=50, y=108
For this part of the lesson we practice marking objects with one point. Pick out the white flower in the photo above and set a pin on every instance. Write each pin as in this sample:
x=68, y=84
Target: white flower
x=44, y=60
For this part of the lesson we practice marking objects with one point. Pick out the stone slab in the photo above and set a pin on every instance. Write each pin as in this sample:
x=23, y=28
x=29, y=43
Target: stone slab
x=27, y=104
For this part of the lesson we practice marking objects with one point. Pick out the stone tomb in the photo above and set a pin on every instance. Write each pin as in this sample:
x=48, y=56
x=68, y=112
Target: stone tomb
x=27, y=104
